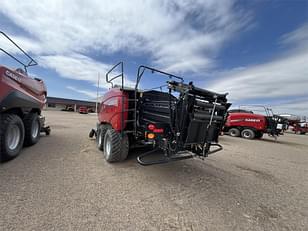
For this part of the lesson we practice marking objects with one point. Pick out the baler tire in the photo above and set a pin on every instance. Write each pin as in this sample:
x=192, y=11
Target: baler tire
x=101, y=132
x=32, y=130
x=115, y=147
x=248, y=134
x=9, y=123
x=234, y=132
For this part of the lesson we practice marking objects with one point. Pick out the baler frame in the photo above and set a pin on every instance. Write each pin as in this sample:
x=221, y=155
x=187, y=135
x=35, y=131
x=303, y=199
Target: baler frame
x=193, y=107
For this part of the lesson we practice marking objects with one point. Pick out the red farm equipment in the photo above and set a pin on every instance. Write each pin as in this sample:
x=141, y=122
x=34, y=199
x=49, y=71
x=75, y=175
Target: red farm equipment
x=83, y=110
x=247, y=124
x=298, y=125
x=21, y=101
x=181, y=122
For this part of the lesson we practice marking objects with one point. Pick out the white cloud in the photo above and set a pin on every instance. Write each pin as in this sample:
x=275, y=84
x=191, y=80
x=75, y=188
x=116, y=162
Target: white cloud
x=75, y=66
x=299, y=37
x=287, y=76
x=283, y=77
x=165, y=31
x=299, y=107
x=80, y=67
x=91, y=94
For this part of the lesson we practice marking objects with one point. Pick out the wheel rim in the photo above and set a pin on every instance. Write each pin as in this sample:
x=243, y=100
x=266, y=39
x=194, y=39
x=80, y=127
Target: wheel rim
x=233, y=133
x=13, y=137
x=35, y=129
x=108, y=147
x=246, y=134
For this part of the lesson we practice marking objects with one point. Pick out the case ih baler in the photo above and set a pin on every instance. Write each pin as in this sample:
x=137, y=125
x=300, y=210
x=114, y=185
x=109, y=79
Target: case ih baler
x=21, y=101
x=247, y=124
x=180, y=123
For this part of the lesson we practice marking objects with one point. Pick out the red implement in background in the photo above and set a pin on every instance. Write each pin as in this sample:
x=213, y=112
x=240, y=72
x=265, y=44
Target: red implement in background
x=22, y=99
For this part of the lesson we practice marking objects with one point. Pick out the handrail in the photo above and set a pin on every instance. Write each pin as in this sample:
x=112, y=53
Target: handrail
x=140, y=73
x=32, y=62
x=142, y=68
x=122, y=83
x=266, y=109
x=117, y=76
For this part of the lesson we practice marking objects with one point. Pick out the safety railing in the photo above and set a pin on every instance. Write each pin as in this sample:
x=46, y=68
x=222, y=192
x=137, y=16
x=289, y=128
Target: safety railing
x=31, y=62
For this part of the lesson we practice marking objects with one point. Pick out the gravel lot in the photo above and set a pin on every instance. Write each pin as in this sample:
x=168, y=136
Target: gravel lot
x=63, y=183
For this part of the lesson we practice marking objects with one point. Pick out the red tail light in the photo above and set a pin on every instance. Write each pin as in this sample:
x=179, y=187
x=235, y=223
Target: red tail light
x=151, y=127
x=158, y=130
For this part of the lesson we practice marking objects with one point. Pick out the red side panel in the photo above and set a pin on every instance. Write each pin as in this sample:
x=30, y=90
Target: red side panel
x=246, y=120
x=111, y=108
x=4, y=88
x=13, y=81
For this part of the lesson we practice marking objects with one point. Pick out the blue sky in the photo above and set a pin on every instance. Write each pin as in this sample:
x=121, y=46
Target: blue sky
x=255, y=50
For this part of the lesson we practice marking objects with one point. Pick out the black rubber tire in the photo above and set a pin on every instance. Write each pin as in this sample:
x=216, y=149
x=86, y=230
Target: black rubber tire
x=29, y=120
x=101, y=132
x=259, y=135
x=6, y=123
x=118, y=146
x=234, y=132
x=248, y=134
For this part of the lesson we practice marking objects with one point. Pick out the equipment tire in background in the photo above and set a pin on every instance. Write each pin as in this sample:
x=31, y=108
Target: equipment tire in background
x=248, y=134
x=32, y=129
x=234, y=132
x=12, y=133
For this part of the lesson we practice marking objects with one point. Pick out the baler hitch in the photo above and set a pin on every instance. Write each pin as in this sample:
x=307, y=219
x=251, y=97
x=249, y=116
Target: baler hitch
x=175, y=157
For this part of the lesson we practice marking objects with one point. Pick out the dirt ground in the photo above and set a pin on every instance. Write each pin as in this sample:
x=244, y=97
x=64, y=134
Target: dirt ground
x=63, y=183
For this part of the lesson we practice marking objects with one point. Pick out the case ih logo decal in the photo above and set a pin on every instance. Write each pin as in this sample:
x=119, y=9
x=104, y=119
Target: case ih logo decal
x=12, y=76
x=252, y=120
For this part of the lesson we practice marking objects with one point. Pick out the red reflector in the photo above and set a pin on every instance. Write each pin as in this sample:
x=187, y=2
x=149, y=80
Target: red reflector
x=158, y=130
x=151, y=127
